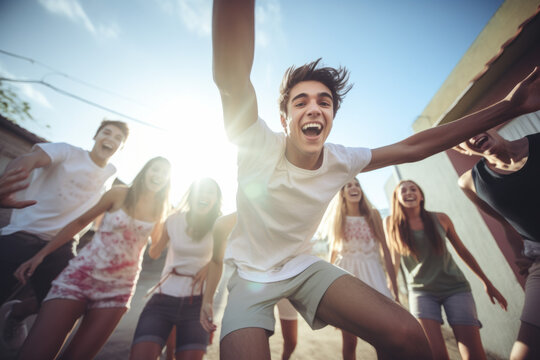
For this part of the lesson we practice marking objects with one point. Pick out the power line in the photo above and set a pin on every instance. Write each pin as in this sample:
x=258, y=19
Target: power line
x=72, y=78
x=66, y=93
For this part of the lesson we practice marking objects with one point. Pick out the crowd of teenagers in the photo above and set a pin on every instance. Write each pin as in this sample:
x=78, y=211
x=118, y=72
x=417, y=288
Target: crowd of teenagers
x=286, y=182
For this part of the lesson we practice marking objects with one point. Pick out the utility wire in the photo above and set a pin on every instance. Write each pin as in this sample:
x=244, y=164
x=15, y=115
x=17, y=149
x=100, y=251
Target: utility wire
x=75, y=79
x=66, y=93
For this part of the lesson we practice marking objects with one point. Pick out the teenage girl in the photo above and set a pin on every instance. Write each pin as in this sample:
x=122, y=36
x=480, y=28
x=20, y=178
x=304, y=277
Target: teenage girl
x=99, y=282
x=176, y=301
x=357, y=240
x=433, y=278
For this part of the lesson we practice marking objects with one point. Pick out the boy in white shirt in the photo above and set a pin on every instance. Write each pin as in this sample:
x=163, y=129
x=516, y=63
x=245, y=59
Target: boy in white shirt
x=65, y=181
x=285, y=182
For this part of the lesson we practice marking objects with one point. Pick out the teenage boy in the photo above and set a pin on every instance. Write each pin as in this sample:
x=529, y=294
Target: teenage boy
x=65, y=181
x=505, y=185
x=285, y=182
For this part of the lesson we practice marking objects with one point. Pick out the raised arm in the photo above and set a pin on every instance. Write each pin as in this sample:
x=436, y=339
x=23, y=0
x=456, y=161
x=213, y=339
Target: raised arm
x=523, y=99
x=233, y=42
x=469, y=259
x=222, y=229
x=106, y=202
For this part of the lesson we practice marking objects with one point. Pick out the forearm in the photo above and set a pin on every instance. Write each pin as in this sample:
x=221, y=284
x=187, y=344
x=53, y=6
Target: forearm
x=471, y=262
x=215, y=270
x=233, y=35
x=63, y=237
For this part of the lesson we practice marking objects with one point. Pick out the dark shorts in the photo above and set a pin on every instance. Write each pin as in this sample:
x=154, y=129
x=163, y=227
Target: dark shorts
x=17, y=248
x=162, y=312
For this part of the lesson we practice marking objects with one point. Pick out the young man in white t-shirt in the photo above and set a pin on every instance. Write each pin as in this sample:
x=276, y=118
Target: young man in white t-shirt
x=65, y=181
x=285, y=182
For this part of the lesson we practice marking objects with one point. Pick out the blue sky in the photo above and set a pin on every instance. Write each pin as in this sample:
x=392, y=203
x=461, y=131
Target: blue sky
x=151, y=60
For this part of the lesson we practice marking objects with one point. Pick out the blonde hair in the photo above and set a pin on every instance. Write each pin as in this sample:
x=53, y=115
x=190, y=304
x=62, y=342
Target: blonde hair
x=399, y=231
x=338, y=217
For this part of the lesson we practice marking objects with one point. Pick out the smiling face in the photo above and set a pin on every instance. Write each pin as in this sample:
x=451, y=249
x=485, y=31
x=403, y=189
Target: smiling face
x=204, y=198
x=107, y=141
x=157, y=175
x=352, y=193
x=309, y=120
x=409, y=195
x=482, y=144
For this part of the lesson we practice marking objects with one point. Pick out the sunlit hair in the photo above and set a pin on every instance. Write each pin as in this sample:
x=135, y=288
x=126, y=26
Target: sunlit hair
x=161, y=200
x=198, y=226
x=339, y=214
x=334, y=79
x=119, y=124
x=399, y=232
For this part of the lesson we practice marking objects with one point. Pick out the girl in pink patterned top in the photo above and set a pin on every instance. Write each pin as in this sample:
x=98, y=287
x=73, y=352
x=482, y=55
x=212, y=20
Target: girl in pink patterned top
x=357, y=240
x=99, y=283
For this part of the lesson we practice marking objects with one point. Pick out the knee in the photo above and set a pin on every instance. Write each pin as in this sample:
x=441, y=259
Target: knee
x=410, y=342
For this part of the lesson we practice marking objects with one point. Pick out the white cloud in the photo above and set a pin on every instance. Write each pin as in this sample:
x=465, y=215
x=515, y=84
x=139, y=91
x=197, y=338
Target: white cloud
x=196, y=15
x=27, y=90
x=72, y=10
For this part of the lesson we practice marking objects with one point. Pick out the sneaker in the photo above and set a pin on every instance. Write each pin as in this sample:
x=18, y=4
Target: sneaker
x=12, y=332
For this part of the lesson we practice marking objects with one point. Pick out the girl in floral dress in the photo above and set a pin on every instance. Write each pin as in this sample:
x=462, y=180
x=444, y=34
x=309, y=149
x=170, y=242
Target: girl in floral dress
x=357, y=239
x=99, y=283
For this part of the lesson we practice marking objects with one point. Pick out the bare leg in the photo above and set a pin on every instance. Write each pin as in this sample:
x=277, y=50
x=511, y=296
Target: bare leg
x=432, y=329
x=96, y=327
x=527, y=345
x=145, y=350
x=245, y=344
x=469, y=342
x=190, y=355
x=171, y=345
x=351, y=305
x=51, y=328
x=289, y=329
x=349, y=345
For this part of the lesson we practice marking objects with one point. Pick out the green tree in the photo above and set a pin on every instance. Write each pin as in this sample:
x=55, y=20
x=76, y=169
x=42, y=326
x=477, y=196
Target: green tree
x=11, y=105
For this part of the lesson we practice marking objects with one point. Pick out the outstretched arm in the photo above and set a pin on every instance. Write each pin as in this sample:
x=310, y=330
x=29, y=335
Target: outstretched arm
x=523, y=99
x=26, y=269
x=233, y=42
x=469, y=259
x=222, y=229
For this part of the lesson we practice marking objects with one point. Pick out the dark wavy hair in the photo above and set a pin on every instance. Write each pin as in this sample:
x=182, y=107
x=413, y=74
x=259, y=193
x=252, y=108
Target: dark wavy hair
x=334, y=79
x=199, y=226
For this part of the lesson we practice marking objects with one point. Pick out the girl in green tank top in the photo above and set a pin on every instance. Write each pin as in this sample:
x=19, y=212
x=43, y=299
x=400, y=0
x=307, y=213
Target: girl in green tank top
x=417, y=237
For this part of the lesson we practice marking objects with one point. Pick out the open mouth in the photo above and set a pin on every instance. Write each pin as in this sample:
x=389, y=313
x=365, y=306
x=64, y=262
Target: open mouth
x=312, y=129
x=478, y=143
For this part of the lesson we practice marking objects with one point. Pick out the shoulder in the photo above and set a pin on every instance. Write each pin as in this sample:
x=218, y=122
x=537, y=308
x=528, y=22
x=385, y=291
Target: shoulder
x=225, y=222
x=117, y=192
x=443, y=219
x=465, y=181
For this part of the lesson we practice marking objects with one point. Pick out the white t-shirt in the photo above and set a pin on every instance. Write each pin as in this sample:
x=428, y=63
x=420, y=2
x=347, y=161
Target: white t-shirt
x=70, y=185
x=186, y=255
x=280, y=205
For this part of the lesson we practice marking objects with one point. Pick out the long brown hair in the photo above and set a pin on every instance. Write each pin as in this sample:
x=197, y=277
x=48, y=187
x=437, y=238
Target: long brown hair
x=367, y=210
x=199, y=226
x=161, y=202
x=399, y=231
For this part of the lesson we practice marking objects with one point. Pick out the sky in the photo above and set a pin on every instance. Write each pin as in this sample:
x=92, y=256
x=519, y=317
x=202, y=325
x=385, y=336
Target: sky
x=151, y=61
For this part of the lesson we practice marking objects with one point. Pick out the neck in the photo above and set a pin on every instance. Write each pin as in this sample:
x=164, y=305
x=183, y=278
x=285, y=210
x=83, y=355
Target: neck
x=412, y=213
x=352, y=209
x=509, y=156
x=311, y=161
x=97, y=160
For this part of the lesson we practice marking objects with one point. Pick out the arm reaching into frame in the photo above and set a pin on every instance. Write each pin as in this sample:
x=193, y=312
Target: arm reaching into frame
x=10, y=182
x=523, y=99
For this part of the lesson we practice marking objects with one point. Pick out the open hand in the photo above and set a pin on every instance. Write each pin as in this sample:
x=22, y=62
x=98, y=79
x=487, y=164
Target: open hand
x=26, y=269
x=495, y=295
x=11, y=182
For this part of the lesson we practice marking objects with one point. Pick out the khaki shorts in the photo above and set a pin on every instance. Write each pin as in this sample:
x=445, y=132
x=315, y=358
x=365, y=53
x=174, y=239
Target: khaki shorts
x=251, y=304
x=531, y=309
